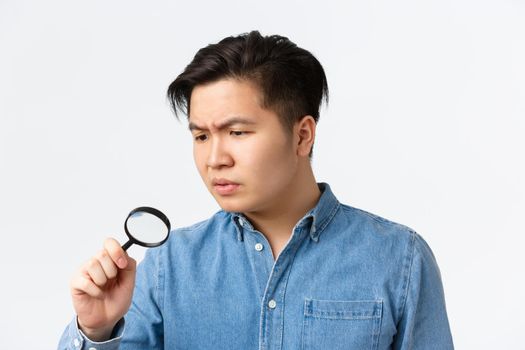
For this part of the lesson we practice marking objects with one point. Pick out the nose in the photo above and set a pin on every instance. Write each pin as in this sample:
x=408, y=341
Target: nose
x=218, y=156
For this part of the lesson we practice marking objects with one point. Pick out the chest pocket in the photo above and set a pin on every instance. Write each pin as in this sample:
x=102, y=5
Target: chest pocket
x=330, y=324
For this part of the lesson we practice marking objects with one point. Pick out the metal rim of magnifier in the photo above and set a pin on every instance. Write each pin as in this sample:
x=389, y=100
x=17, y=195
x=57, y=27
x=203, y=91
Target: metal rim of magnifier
x=152, y=211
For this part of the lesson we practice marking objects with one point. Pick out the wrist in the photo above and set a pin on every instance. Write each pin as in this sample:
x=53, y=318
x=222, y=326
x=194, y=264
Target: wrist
x=96, y=334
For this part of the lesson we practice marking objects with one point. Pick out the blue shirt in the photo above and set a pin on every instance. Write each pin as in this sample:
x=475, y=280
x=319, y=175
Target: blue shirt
x=346, y=279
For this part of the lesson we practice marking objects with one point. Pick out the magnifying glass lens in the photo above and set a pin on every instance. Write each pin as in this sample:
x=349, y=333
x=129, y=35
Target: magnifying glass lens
x=147, y=227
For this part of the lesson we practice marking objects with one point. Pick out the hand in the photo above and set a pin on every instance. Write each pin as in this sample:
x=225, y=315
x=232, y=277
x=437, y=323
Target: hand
x=102, y=290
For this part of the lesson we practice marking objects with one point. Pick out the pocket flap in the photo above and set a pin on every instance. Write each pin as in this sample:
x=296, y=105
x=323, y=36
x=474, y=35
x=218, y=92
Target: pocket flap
x=336, y=309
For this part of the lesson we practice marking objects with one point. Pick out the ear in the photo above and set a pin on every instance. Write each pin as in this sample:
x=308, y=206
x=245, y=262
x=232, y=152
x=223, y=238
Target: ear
x=304, y=130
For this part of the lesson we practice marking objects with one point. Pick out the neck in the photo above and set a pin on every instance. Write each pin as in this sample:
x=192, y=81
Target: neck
x=277, y=222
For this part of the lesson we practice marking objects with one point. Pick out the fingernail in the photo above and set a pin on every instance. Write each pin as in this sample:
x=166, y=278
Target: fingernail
x=121, y=263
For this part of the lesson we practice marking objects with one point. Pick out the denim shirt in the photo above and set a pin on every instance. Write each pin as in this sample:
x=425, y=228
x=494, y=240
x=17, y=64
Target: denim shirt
x=346, y=279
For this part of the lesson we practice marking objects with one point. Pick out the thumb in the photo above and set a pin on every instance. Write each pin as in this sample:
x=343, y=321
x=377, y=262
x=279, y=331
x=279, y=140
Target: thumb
x=127, y=274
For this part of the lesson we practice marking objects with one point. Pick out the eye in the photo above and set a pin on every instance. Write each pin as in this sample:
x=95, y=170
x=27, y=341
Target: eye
x=237, y=133
x=201, y=137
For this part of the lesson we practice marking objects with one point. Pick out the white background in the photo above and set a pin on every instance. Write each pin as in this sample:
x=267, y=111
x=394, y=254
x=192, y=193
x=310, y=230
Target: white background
x=425, y=127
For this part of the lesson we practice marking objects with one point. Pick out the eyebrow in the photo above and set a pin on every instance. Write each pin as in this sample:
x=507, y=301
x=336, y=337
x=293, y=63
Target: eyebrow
x=224, y=124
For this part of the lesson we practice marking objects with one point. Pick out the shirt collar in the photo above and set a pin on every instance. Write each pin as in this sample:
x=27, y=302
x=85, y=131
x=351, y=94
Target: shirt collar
x=320, y=216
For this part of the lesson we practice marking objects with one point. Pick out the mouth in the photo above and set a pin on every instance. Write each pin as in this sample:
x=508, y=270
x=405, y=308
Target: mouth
x=224, y=187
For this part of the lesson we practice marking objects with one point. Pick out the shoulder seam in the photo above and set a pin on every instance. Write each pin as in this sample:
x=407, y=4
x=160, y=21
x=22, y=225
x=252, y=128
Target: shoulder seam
x=377, y=218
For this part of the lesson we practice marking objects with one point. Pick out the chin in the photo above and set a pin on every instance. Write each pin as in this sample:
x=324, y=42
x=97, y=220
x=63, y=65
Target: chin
x=232, y=205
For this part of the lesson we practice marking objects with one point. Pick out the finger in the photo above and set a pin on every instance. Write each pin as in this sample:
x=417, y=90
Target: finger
x=127, y=275
x=131, y=265
x=82, y=284
x=115, y=251
x=96, y=272
x=109, y=267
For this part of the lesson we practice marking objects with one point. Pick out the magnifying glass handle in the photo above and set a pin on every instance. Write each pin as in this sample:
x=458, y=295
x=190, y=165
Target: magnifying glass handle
x=127, y=245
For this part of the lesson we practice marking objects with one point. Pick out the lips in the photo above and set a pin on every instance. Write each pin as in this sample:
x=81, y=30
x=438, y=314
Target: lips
x=222, y=182
x=224, y=187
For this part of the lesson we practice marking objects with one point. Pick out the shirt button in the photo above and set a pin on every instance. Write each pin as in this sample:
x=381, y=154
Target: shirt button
x=92, y=349
x=272, y=304
x=259, y=247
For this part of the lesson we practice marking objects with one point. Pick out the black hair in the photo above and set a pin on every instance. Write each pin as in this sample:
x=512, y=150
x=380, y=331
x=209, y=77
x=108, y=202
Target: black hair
x=291, y=80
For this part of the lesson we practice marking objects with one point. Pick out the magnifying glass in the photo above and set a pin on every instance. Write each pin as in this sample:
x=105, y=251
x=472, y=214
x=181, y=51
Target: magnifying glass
x=147, y=227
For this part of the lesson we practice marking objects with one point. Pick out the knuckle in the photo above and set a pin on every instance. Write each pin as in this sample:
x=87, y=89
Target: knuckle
x=111, y=273
x=110, y=269
x=102, y=254
x=84, y=284
x=92, y=263
x=112, y=247
x=99, y=280
x=110, y=243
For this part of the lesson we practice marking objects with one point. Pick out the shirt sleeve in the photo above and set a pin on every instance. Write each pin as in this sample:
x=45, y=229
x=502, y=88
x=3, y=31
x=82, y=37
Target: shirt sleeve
x=142, y=326
x=424, y=322
x=74, y=339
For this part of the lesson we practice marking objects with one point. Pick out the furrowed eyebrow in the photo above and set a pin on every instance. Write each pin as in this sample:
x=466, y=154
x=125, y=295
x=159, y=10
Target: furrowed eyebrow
x=225, y=124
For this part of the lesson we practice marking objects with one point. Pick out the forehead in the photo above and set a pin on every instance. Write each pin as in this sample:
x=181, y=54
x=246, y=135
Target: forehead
x=214, y=102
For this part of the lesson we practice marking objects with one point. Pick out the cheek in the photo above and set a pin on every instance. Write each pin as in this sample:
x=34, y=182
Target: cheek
x=266, y=160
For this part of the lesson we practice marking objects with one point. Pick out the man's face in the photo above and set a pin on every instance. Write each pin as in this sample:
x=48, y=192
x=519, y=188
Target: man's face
x=242, y=152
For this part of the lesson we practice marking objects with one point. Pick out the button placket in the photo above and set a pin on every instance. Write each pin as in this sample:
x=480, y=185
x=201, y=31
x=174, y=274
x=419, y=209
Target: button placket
x=273, y=310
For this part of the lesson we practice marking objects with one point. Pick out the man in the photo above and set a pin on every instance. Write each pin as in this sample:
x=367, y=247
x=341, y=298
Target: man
x=283, y=265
